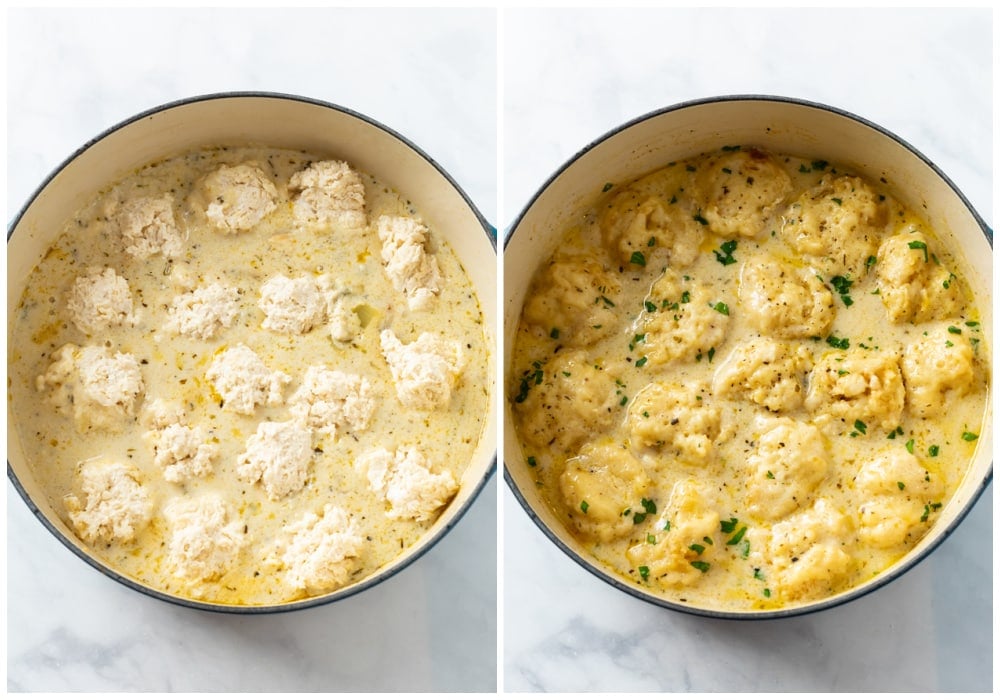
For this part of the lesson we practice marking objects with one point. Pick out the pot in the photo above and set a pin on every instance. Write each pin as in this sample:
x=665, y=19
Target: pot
x=777, y=125
x=280, y=121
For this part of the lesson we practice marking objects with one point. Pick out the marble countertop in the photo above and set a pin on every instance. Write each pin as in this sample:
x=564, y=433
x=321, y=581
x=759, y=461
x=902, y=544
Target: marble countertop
x=924, y=75
x=427, y=74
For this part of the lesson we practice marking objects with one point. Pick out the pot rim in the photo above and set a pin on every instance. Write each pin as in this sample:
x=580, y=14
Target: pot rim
x=781, y=613
x=304, y=603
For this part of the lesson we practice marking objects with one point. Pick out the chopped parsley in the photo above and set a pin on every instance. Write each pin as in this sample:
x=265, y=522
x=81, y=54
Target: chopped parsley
x=638, y=259
x=735, y=539
x=699, y=548
x=702, y=566
x=607, y=186
x=860, y=427
x=870, y=262
x=954, y=330
x=584, y=506
x=685, y=297
x=650, y=306
x=638, y=518
x=532, y=462
x=839, y=343
x=722, y=308
x=770, y=474
x=919, y=245
x=728, y=526
x=838, y=200
x=933, y=451
x=711, y=354
x=894, y=433
x=927, y=511
x=651, y=538
x=607, y=302
x=644, y=572
x=969, y=437
x=726, y=255
x=648, y=505
x=641, y=361
x=700, y=219
x=909, y=445
x=843, y=286
x=528, y=379
x=554, y=334
x=651, y=242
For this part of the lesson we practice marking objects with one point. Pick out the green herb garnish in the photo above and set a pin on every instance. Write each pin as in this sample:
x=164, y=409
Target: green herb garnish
x=735, y=539
x=919, y=245
x=726, y=255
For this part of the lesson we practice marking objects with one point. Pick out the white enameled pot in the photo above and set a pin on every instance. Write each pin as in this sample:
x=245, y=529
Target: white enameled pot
x=776, y=124
x=280, y=121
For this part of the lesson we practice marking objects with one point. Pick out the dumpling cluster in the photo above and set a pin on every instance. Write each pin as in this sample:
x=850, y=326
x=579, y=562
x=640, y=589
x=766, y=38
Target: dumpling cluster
x=685, y=366
x=292, y=414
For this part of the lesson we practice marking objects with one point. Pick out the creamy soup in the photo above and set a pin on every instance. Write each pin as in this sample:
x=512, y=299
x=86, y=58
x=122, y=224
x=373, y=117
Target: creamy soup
x=249, y=375
x=749, y=380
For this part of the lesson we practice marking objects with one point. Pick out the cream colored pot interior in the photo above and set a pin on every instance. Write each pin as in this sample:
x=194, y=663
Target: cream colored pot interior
x=778, y=126
x=283, y=122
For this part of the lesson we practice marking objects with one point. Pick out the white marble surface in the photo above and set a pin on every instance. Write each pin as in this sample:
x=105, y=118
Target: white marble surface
x=427, y=74
x=569, y=77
